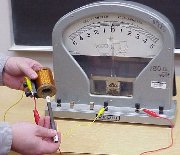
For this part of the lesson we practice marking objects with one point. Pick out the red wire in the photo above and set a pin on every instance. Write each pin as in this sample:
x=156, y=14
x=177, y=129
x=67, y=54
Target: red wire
x=172, y=141
x=36, y=114
x=34, y=103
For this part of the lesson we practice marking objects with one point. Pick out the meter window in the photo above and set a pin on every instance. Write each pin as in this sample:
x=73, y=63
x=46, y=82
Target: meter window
x=112, y=49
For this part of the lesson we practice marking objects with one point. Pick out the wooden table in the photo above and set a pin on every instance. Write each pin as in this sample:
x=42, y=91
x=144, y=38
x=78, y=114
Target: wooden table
x=100, y=137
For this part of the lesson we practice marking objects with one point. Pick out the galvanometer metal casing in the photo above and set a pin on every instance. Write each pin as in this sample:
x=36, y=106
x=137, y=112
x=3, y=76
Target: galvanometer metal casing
x=117, y=53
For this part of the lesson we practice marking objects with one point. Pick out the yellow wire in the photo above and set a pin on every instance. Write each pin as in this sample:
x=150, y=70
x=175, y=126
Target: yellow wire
x=70, y=131
x=5, y=113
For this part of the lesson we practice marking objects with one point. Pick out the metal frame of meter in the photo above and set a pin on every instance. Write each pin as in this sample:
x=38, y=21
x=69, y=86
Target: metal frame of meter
x=151, y=88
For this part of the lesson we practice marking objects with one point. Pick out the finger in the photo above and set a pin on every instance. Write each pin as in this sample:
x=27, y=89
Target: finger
x=41, y=121
x=28, y=71
x=47, y=122
x=12, y=82
x=49, y=147
x=37, y=67
x=45, y=133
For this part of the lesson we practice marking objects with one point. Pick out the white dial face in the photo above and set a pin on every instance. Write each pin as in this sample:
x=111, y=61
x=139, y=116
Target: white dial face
x=112, y=35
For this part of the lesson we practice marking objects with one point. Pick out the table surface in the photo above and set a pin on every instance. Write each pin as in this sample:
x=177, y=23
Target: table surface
x=78, y=137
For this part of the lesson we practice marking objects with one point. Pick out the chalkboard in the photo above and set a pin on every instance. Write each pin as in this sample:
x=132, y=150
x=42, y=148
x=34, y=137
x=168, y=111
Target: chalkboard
x=33, y=20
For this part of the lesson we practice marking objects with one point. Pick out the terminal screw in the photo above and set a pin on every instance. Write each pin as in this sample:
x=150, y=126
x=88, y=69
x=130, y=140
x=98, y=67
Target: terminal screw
x=91, y=105
x=137, y=106
x=161, y=108
x=58, y=102
x=106, y=105
x=72, y=104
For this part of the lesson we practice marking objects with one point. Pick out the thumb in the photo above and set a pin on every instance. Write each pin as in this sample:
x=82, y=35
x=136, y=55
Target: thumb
x=28, y=71
x=44, y=132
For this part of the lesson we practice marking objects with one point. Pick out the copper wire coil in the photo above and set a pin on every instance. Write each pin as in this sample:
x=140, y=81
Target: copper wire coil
x=45, y=83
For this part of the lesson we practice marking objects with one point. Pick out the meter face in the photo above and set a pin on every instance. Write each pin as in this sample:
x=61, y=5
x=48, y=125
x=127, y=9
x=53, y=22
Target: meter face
x=112, y=35
x=112, y=49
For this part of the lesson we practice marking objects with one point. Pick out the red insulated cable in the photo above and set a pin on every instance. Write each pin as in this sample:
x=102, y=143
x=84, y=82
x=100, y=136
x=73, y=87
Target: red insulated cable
x=151, y=113
x=36, y=114
x=154, y=114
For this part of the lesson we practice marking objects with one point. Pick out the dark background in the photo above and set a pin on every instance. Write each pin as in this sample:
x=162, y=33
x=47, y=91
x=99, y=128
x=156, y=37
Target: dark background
x=33, y=20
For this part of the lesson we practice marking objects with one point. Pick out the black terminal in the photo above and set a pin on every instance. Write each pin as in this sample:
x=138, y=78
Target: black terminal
x=137, y=106
x=161, y=109
x=106, y=105
x=58, y=102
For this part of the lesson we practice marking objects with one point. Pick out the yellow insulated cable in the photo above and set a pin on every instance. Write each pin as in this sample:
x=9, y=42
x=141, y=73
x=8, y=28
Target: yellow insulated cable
x=100, y=112
x=5, y=113
x=70, y=131
x=28, y=82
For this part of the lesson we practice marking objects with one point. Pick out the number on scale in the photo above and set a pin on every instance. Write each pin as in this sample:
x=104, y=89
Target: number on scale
x=137, y=36
x=74, y=42
x=144, y=40
x=152, y=46
x=129, y=33
x=96, y=32
x=81, y=38
x=112, y=29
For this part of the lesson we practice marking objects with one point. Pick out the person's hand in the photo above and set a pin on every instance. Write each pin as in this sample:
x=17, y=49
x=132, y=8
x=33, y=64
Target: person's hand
x=16, y=68
x=31, y=139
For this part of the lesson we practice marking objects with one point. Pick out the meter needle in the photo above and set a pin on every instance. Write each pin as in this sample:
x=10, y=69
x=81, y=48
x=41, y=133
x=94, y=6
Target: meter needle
x=52, y=123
